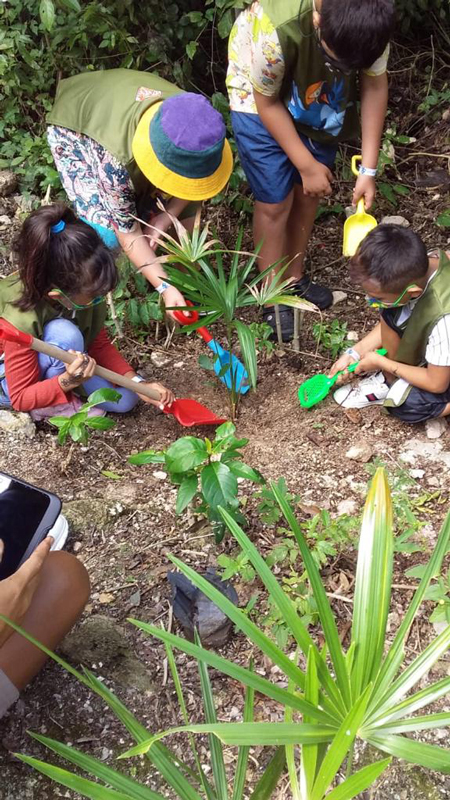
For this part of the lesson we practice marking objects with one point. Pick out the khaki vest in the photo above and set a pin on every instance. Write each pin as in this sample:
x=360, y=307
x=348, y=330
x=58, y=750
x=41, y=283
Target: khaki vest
x=90, y=321
x=107, y=106
x=321, y=101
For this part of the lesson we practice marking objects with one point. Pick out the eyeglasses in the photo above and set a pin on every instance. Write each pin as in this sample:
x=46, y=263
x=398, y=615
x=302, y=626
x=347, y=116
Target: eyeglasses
x=95, y=302
x=373, y=302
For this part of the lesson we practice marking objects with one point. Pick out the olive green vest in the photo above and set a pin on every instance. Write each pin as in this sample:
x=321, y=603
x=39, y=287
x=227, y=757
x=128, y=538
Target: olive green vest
x=90, y=321
x=107, y=106
x=431, y=306
x=321, y=101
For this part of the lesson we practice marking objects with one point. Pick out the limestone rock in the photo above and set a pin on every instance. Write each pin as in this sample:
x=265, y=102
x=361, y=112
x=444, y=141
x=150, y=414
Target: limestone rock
x=5, y=221
x=339, y=297
x=102, y=642
x=85, y=513
x=8, y=182
x=360, y=452
x=396, y=220
x=435, y=428
x=17, y=423
x=160, y=359
x=347, y=507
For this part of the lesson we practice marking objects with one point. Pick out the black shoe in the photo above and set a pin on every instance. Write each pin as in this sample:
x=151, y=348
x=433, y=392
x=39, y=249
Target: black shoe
x=286, y=322
x=319, y=295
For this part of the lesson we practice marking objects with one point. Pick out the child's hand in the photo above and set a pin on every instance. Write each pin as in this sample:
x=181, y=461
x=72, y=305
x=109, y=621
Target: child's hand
x=162, y=223
x=342, y=364
x=316, y=179
x=371, y=362
x=364, y=187
x=173, y=297
x=80, y=370
x=166, y=396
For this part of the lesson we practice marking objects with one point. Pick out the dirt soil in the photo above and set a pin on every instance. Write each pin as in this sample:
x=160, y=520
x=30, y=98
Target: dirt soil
x=123, y=529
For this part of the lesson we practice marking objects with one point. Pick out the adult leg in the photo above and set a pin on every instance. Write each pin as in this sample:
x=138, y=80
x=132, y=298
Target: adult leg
x=57, y=604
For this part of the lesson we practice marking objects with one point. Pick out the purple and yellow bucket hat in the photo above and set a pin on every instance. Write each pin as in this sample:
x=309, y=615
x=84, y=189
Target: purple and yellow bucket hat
x=180, y=146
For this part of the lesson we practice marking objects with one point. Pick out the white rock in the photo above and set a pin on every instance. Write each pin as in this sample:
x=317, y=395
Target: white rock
x=5, y=221
x=17, y=423
x=352, y=336
x=435, y=428
x=160, y=475
x=160, y=359
x=360, y=452
x=346, y=507
x=396, y=220
x=417, y=473
x=338, y=297
x=179, y=364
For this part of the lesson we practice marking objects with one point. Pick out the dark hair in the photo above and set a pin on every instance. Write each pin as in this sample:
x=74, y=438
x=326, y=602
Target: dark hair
x=358, y=31
x=74, y=260
x=392, y=256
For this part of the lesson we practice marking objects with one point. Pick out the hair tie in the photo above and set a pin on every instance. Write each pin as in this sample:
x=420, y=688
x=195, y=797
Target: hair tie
x=58, y=227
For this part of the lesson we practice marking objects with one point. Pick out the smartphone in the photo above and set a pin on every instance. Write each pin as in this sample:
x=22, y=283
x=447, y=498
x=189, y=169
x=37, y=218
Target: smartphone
x=27, y=514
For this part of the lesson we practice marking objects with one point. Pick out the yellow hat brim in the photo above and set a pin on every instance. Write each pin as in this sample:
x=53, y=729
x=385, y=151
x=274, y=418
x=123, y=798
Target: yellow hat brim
x=168, y=181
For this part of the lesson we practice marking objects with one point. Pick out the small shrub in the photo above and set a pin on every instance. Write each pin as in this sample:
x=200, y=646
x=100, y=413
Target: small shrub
x=79, y=425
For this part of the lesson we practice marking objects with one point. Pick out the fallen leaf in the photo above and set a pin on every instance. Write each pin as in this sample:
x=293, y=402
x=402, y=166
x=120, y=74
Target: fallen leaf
x=311, y=510
x=354, y=415
x=135, y=599
x=106, y=597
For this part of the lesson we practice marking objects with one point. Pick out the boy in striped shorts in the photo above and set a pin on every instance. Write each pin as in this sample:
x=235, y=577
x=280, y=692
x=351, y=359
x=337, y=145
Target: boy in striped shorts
x=411, y=289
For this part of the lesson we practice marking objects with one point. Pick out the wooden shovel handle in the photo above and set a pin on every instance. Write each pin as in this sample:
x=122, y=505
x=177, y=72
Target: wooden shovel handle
x=102, y=372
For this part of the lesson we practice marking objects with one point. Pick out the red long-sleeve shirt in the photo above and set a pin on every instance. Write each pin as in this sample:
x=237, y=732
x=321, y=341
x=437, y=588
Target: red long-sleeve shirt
x=27, y=391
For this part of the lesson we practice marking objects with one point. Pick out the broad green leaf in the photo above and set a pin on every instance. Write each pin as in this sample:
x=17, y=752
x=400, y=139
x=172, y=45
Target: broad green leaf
x=373, y=583
x=444, y=219
x=58, y=422
x=268, y=782
x=339, y=747
x=185, y=454
x=47, y=14
x=395, y=653
x=224, y=431
x=247, y=733
x=86, y=788
x=242, y=470
x=99, y=770
x=71, y=5
x=219, y=485
x=247, y=342
x=325, y=613
x=191, y=49
x=235, y=671
x=186, y=492
x=359, y=782
x=105, y=395
x=100, y=423
x=148, y=457
x=217, y=762
x=426, y=755
x=241, y=766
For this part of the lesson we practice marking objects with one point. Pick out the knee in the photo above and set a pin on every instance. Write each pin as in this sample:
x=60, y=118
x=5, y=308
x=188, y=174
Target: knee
x=126, y=403
x=68, y=580
x=64, y=334
x=275, y=213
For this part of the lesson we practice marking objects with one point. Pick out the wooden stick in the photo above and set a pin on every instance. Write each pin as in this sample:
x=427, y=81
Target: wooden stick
x=102, y=372
x=296, y=337
x=115, y=319
x=278, y=325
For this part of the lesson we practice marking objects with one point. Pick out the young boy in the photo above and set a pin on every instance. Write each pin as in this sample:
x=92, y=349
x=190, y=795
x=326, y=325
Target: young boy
x=412, y=291
x=291, y=80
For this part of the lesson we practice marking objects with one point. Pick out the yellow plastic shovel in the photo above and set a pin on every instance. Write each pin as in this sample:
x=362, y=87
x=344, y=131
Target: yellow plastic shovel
x=358, y=225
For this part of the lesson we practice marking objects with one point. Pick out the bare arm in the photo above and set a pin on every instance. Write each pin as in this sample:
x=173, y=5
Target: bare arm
x=274, y=115
x=366, y=345
x=431, y=378
x=374, y=99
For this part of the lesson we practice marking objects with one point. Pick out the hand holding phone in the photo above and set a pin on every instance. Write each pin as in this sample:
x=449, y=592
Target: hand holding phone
x=16, y=592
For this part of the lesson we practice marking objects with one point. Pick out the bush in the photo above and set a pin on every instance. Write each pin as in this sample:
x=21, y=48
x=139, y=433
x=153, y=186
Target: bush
x=415, y=14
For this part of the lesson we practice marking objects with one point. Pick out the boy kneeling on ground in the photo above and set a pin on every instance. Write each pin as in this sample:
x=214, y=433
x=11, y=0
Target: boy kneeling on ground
x=412, y=290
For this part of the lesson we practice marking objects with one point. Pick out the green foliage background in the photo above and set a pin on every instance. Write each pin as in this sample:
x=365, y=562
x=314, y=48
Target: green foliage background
x=185, y=41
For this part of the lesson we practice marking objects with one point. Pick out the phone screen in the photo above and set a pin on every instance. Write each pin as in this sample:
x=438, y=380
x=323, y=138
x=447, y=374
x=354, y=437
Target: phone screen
x=22, y=509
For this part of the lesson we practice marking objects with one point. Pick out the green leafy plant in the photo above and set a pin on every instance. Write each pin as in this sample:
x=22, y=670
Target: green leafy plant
x=438, y=592
x=366, y=692
x=263, y=338
x=206, y=473
x=78, y=426
x=435, y=101
x=133, y=303
x=220, y=282
x=443, y=219
x=331, y=337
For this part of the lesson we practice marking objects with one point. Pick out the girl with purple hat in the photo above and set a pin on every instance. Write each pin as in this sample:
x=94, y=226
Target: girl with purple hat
x=117, y=137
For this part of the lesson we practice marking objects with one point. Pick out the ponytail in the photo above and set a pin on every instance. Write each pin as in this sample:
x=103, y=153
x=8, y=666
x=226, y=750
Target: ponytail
x=55, y=249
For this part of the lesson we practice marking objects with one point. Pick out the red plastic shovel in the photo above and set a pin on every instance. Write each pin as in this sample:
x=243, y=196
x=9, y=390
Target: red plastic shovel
x=187, y=412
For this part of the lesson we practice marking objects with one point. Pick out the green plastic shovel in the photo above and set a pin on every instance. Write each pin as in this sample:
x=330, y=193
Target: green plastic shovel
x=316, y=388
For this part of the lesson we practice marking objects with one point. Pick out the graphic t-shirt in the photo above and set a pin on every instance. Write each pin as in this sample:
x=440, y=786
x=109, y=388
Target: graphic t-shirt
x=256, y=61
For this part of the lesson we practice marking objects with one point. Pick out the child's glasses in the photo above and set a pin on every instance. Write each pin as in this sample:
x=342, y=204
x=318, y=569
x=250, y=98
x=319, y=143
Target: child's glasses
x=373, y=302
x=94, y=302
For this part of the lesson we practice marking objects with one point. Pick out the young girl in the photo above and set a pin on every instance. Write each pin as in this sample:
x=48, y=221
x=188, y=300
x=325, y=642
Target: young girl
x=58, y=295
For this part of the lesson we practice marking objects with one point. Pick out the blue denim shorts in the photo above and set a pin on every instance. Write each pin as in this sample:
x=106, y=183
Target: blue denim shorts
x=270, y=173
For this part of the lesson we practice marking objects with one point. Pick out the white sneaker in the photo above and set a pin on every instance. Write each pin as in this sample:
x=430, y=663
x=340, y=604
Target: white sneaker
x=370, y=391
x=60, y=532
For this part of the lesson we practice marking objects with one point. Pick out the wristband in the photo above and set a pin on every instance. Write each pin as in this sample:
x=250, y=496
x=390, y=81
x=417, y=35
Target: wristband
x=162, y=287
x=353, y=353
x=138, y=379
x=367, y=171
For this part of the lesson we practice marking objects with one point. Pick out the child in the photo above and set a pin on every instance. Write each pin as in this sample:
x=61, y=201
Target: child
x=118, y=136
x=291, y=80
x=412, y=289
x=65, y=270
